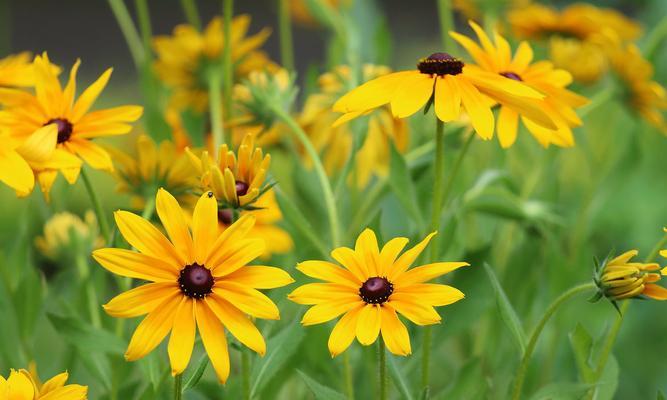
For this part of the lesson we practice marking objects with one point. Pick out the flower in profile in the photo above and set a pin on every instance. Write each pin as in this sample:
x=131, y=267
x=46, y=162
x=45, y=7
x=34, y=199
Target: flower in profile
x=645, y=96
x=185, y=58
x=237, y=180
x=67, y=235
x=371, y=289
x=74, y=123
x=21, y=385
x=17, y=70
x=199, y=281
x=620, y=278
x=150, y=167
x=449, y=85
x=334, y=140
x=496, y=57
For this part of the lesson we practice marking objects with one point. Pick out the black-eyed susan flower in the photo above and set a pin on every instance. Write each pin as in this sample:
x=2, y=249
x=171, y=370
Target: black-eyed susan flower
x=236, y=179
x=21, y=385
x=75, y=124
x=541, y=76
x=66, y=235
x=185, y=58
x=150, y=167
x=645, y=96
x=199, y=281
x=371, y=289
x=451, y=86
x=334, y=140
x=621, y=278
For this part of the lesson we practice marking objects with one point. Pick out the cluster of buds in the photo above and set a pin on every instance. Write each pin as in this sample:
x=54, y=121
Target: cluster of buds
x=264, y=94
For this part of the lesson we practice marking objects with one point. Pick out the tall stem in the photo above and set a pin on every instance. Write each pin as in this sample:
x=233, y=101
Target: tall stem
x=325, y=184
x=129, y=31
x=286, y=43
x=446, y=24
x=215, y=109
x=97, y=206
x=178, y=387
x=191, y=13
x=382, y=368
x=228, y=67
x=91, y=293
x=245, y=371
x=144, y=18
x=523, y=367
x=347, y=371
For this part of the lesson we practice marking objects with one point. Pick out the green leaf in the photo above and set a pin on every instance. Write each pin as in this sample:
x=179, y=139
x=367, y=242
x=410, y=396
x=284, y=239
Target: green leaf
x=582, y=345
x=401, y=184
x=297, y=220
x=507, y=312
x=660, y=395
x=399, y=379
x=98, y=366
x=193, y=380
x=320, y=391
x=150, y=365
x=608, y=382
x=562, y=391
x=28, y=300
x=279, y=349
x=84, y=337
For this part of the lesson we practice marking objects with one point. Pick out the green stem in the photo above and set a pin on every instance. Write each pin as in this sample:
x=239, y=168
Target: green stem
x=600, y=98
x=347, y=371
x=191, y=13
x=91, y=293
x=655, y=39
x=325, y=184
x=129, y=31
x=215, y=109
x=149, y=208
x=97, y=206
x=143, y=15
x=245, y=370
x=454, y=173
x=426, y=360
x=382, y=368
x=523, y=367
x=446, y=24
x=178, y=387
x=286, y=44
x=228, y=67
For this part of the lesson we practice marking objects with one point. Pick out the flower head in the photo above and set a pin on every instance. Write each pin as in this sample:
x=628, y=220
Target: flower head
x=620, y=278
x=150, y=167
x=450, y=85
x=185, y=58
x=541, y=76
x=66, y=234
x=68, y=122
x=371, y=288
x=199, y=281
x=21, y=385
x=262, y=91
x=236, y=179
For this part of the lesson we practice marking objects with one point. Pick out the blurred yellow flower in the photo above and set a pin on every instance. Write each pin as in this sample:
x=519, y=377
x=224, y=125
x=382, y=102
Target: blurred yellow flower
x=237, y=181
x=55, y=108
x=451, y=86
x=260, y=89
x=645, y=96
x=302, y=14
x=335, y=141
x=199, y=280
x=620, y=278
x=558, y=102
x=17, y=70
x=21, y=385
x=185, y=58
x=150, y=167
x=472, y=9
x=586, y=60
x=371, y=289
x=66, y=235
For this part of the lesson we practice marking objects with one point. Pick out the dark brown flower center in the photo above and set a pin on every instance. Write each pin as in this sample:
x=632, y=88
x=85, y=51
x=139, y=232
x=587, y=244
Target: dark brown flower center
x=64, y=128
x=226, y=216
x=376, y=290
x=241, y=188
x=511, y=75
x=440, y=64
x=196, y=281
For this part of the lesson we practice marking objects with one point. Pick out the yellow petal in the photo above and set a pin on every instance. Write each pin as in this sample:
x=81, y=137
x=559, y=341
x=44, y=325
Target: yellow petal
x=248, y=300
x=371, y=94
x=434, y=294
x=92, y=154
x=260, y=277
x=20, y=386
x=15, y=172
x=329, y=310
x=146, y=238
x=314, y=293
x=390, y=251
x=88, y=97
x=405, y=260
x=344, y=332
x=654, y=291
x=447, y=99
x=394, y=333
x=174, y=223
x=427, y=272
x=368, y=324
x=54, y=383
x=40, y=145
x=327, y=271
x=480, y=114
x=237, y=323
x=135, y=265
x=204, y=226
x=236, y=256
x=153, y=328
x=213, y=336
x=224, y=244
x=411, y=308
x=508, y=124
x=411, y=94
x=366, y=248
x=182, y=338
x=140, y=300
x=351, y=260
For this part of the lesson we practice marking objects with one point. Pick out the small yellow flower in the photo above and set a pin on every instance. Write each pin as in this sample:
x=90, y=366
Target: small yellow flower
x=68, y=122
x=236, y=179
x=185, y=58
x=645, y=96
x=199, y=281
x=450, y=85
x=371, y=289
x=541, y=76
x=21, y=385
x=66, y=234
x=620, y=278
x=150, y=167
x=586, y=60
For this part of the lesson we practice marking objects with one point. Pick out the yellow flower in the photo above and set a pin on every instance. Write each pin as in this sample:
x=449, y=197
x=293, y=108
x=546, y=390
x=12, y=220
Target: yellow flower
x=199, y=278
x=184, y=59
x=66, y=234
x=151, y=167
x=645, y=96
x=21, y=385
x=236, y=180
x=74, y=125
x=620, y=278
x=586, y=60
x=371, y=290
x=17, y=70
x=334, y=140
x=558, y=102
x=267, y=214
x=451, y=86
